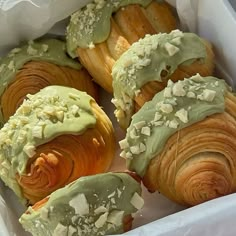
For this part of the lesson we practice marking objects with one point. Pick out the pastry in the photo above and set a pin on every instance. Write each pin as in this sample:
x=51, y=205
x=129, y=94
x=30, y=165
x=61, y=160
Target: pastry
x=182, y=143
x=99, y=38
x=144, y=69
x=93, y=205
x=34, y=66
x=55, y=136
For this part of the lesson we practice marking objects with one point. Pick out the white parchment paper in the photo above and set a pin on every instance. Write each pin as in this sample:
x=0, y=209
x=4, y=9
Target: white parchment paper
x=29, y=19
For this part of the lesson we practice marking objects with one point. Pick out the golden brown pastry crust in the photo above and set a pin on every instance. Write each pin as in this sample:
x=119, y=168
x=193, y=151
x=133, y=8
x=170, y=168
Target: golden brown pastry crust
x=68, y=157
x=198, y=163
x=36, y=75
x=128, y=25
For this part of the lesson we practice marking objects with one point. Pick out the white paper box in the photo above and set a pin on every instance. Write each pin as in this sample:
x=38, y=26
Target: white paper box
x=212, y=19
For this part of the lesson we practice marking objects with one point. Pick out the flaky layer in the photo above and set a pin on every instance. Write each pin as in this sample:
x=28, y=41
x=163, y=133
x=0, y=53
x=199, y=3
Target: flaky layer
x=198, y=163
x=36, y=75
x=69, y=157
x=128, y=25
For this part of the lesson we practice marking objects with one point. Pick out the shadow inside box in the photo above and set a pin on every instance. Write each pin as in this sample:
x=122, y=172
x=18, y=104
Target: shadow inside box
x=233, y=4
x=10, y=211
x=156, y=207
x=216, y=24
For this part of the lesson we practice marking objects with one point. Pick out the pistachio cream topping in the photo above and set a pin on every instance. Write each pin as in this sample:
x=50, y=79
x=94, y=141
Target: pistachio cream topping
x=53, y=111
x=92, y=205
x=179, y=105
x=50, y=50
x=91, y=24
x=152, y=58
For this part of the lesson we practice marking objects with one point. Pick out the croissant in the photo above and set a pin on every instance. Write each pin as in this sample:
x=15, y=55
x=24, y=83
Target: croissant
x=95, y=35
x=34, y=66
x=93, y=205
x=182, y=143
x=55, y=136
x=143, y=70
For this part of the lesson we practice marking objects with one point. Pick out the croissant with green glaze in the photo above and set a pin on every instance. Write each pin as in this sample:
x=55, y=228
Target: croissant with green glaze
x=56, y=136
x=98, y=37
x=144, y=69
x=34, y=66
x=182, y=143
x=93, y=205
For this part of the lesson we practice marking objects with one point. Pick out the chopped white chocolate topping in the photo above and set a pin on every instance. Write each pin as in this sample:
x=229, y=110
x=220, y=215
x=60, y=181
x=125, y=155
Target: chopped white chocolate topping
x=142, y=147
x=80, y=204
x=37, y=131
x=11, y=65
x=158, y=123
x=140, y=124
x=176, y=41
x=75, y=110
x=116, y=217
x=101, y=220
x=60, y=115
x=129, y=155
x=173, y=124
x=133, y=134
x=170, y=83
x=137, y=201
x=135, y=149
x=123, y=144
x=15, y=50
x=60, y=230
x=112, y=194
x=158, y=116
x=207, y=95
x=191, y=94
x=197, y=78
x=182, y=114
x=177, y=33
x=100, y=209
x=123, y=154
x=171, y=49
x=166, y=108
x=29, y=150
x=146, y=131
x=167, y=92
x=5, y=164
x=31, y=51
x=71, y=230
x=178, y=89
x=45, y=47
x=44, y=213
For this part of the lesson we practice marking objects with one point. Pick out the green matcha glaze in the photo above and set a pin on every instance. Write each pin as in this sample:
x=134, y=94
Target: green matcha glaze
x=145, y=61
x=178, y=106
x=91, y=24
x=49, y=50
x=53, y=111
x=112, y=192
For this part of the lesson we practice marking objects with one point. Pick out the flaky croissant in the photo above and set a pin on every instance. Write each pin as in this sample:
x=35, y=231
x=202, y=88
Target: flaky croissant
x=143, y=70
x=55, y=136
x=37, y=65
x=183, y=142
x=93, y=205
x=99, y=39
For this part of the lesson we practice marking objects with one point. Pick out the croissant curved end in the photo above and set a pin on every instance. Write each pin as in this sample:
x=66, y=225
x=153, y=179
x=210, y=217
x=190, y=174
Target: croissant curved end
x=60, y=134
x=101, y=203
x=183, y=145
